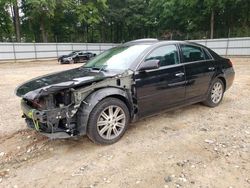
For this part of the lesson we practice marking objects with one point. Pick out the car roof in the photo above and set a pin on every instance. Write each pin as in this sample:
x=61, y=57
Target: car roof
x=141, y=41
x=152, y=41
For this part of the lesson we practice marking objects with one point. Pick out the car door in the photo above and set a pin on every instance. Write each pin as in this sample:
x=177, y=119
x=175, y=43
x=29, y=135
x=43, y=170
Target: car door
x=160, y=88
x=199, y=67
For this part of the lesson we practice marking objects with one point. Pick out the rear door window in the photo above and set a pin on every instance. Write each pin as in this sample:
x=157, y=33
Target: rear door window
x=192, y=53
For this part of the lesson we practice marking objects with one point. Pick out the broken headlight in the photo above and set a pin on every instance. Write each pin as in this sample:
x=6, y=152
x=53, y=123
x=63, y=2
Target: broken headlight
x=38, y=104
x=62, y=98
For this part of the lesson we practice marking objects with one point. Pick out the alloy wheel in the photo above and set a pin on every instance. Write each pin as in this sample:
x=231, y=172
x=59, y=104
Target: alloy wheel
x=217, y=92
x=111, y=122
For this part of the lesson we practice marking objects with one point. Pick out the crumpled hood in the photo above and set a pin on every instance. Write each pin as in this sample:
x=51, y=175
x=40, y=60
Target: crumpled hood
x=58, y=81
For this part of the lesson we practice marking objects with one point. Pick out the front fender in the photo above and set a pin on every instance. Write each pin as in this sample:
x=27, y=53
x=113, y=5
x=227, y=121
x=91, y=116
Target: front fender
x=93, y=99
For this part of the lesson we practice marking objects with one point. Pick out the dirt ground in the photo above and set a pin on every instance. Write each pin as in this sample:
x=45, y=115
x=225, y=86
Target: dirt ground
x=195, y=146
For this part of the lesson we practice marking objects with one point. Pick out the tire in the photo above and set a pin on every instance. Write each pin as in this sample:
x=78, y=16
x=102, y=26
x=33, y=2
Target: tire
x=215, y=93
x=109, y=130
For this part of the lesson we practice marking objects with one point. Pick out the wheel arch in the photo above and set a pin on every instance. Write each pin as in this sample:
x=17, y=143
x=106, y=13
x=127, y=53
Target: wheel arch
x=220, y=76
x=94, y=98
x=123, y=99
x=223, y=80
x=207, y=101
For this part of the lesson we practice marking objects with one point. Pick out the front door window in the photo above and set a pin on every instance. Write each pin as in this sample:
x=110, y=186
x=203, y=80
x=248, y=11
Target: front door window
x=168, y=55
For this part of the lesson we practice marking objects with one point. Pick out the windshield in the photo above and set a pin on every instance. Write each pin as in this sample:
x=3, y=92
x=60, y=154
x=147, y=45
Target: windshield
x=119, y=58
x=72, y=53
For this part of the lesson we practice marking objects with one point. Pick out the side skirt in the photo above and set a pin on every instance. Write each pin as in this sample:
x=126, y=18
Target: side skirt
x=176, y=106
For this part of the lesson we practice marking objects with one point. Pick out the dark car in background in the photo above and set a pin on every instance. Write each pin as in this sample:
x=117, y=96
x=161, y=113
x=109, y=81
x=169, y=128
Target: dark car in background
x=76, y=57
x=122, y=85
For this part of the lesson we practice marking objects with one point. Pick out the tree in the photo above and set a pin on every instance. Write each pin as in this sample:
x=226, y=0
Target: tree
x=122, y=20
x=40, y=11
x=64, y=21
x=6, y=28
x=170, y=16
x=16, y=20
x=89, y=15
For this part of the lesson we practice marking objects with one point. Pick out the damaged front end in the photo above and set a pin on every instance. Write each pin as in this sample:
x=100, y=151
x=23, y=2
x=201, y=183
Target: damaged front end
x=52, y=115
x=52, y=110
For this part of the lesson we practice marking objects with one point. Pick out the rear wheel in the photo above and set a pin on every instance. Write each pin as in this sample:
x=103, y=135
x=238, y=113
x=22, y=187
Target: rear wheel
x=215, y=94
x=108, y=121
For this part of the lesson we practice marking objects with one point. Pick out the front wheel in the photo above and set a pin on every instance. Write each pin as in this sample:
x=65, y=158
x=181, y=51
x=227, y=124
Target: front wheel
x=215, y=94
x=108, y=121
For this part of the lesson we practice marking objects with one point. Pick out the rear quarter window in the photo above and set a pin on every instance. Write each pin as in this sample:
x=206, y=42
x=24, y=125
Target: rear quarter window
x=207, y=55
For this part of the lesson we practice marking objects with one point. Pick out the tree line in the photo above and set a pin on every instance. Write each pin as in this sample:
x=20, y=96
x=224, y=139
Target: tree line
x=121, y=20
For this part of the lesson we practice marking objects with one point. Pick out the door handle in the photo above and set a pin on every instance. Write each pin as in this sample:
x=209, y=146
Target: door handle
x=180, y=74
x=211, y=68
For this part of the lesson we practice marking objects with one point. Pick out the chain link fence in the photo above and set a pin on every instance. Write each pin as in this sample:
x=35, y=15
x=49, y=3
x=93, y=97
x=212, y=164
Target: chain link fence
x=228, y=46
x=37, y=51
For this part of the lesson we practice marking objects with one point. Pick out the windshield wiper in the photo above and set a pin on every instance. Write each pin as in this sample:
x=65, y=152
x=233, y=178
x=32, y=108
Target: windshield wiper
x=99, y=68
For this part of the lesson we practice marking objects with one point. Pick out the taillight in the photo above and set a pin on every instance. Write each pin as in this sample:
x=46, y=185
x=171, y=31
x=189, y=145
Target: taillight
x=230, y=63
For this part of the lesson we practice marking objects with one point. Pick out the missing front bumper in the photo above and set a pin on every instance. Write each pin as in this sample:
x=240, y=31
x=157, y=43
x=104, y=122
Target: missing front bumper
x=54, y=135
x=49, y=122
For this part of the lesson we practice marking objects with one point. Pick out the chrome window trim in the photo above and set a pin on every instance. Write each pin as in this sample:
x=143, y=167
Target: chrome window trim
x=176, y=65
x=191, y=62
x=180, y=59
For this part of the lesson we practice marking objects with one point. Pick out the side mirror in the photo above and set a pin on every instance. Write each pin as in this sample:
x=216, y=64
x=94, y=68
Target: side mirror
x=149, y=65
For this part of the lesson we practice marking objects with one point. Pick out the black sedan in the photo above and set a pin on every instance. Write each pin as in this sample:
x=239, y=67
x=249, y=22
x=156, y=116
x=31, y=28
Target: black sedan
x=76, y=57
x=124, y=84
